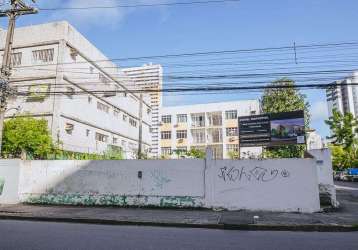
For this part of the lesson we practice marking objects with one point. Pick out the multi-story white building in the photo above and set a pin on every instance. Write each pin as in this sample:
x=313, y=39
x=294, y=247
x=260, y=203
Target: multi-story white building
x=212, y=125
x=314, y=140
x=149, y=77
x=77, y=89
x=344, y=96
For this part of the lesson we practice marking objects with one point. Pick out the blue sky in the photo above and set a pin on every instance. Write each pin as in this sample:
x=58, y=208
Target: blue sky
x=248, y=24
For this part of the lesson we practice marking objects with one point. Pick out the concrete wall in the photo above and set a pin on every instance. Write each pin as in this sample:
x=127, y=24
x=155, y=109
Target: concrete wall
x=273, y=185
x=324, y=168
x=9, y=181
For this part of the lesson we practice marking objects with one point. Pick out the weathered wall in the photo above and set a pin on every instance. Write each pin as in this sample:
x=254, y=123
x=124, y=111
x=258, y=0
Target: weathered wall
x=324, y=168
x=275, y=185
x=9, y=181
x=168, y=183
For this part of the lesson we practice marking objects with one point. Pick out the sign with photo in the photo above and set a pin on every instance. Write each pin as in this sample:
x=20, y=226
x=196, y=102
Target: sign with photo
x=274, y=129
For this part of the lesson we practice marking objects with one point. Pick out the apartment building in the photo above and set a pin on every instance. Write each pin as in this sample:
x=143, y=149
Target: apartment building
x=149, y=77
x=199, y=126
x=344, y=96
x=77, y=89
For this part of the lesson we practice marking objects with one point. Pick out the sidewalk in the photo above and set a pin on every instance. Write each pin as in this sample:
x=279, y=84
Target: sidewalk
x=344, y=219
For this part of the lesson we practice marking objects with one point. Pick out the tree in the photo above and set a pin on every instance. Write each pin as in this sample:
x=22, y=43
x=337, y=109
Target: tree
x=196, y=153
x=28, y=135
x=275, y=100
x=344, y=129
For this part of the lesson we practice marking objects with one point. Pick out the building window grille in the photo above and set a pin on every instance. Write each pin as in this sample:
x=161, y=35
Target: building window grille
x=181, y=134
x=231, y=132
x=102, y=107
x=231, y=114
x=166, y=151
x=43, y=56
x=16, y=59
x=101, y=137
x=167, y=119
x=182, y=118
x=166, y=135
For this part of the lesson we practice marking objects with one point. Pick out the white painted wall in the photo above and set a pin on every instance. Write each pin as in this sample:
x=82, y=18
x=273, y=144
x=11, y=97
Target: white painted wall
x=9, y=181
x=274, y=185
x=325, y=173
x=289, y=185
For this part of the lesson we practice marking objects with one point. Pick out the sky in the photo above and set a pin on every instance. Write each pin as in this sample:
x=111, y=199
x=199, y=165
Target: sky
x=135, y=32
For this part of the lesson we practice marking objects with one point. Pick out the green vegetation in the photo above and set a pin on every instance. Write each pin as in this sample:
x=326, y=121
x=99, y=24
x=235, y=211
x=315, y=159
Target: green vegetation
x=275, y=100
x=27, y=137
x=344, y=144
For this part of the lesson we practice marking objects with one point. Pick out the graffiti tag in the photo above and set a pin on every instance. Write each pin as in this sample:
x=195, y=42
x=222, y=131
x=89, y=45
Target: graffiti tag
x=260, y=174
x=159, y=179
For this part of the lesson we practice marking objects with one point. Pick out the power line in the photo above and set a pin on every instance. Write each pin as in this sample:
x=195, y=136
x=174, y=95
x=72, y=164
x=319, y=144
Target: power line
x=139, y=5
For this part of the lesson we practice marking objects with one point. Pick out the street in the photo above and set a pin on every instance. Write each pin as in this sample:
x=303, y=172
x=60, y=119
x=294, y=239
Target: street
x=44, y=235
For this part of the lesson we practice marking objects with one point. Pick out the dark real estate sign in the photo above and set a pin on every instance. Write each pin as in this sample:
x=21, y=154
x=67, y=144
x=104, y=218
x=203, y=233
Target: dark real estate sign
x=272, y=129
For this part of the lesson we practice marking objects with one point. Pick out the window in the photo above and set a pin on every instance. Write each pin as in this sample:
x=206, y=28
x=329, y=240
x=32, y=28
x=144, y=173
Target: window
x=198, y=120
x=91, y=69
x=101, y=137
x=43, y=56
x=198, y=136
x=103, y=107
x=114, y=140
x=166, y=151
x=116, y=112
x=124, y=117
x=69, y=92
x=87, y=132
x=166, y=119
x=132, y=122
x=69, y=128
x=16, y=59
x=231, y=132
x=89, y=99
x=182, y=118
x=181, y=134
x=166, y=135
x=232, y=148
x=123, y=143
x=231, y=114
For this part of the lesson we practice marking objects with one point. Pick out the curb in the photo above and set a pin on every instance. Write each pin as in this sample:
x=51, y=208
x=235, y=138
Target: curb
x=239, y=227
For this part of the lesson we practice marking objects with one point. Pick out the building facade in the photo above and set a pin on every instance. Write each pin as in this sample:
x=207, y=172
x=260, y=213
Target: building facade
x=344, y=96
x=149, y=77
x=61, y=77
x=199, y=126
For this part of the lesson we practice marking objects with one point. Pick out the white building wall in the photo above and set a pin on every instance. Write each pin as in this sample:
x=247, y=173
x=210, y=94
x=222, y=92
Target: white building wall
x=243, y=108
x=76, y=66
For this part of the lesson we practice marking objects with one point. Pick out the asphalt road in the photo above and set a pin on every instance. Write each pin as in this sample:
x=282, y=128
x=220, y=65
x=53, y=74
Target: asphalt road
x=46, y=235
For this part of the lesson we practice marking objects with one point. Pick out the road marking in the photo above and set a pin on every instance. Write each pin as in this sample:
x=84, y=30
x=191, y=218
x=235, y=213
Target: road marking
x=345, y=188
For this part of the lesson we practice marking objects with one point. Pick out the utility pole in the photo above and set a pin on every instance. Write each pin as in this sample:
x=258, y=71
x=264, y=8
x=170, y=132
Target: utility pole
x=140, y=126
x=18, y=8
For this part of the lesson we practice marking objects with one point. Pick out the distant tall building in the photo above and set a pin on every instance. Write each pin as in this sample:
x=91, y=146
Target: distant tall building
x=344, y=96
x=149, y=77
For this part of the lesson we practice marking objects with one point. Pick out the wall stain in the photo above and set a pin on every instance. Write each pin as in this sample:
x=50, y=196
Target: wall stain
x=2, y=184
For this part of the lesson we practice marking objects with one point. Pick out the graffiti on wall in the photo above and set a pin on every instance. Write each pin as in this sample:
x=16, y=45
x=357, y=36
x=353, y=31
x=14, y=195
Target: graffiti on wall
x=159, y=179
x=257, y=174
x=2, y=184
x=177, y=201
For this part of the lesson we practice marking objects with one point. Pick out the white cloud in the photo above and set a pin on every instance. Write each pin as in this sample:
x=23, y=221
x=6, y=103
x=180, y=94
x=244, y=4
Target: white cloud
x=91, y=17
x=97, y=17
x=319, y=111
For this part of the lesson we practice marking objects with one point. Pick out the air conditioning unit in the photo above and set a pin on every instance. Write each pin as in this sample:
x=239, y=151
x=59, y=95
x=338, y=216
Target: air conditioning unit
x=231, y=139
x=176, y=125
x=180, y=140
